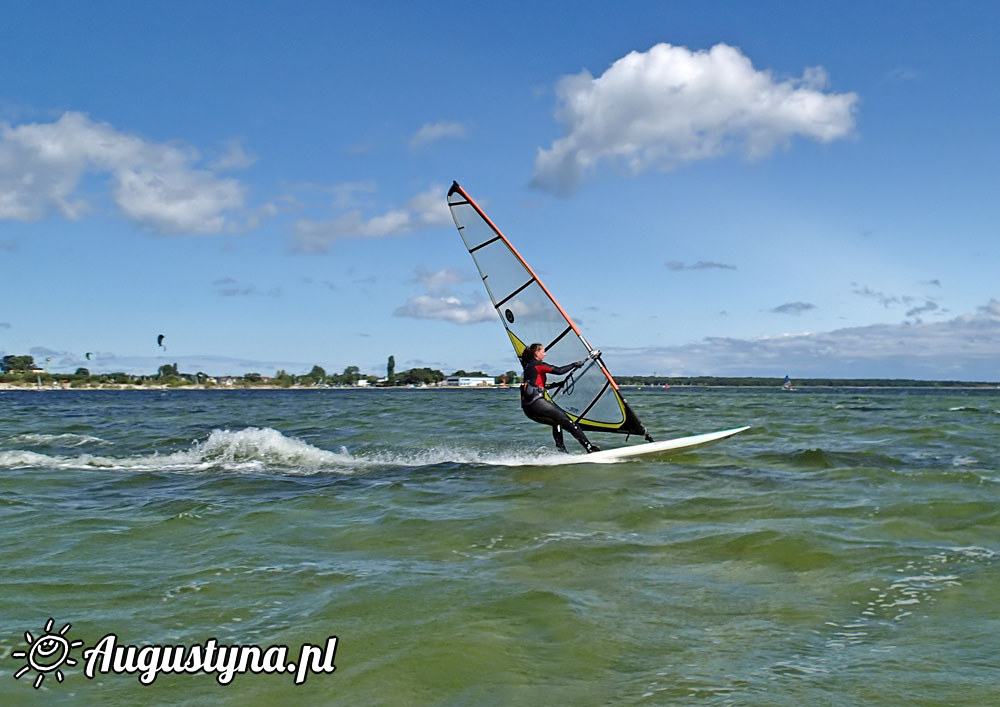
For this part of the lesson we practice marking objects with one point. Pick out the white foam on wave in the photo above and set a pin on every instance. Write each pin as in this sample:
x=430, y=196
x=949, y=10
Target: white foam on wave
x=919, y=584
x=474, y=457
x=962, y=460
x=970, y=408
x=66, y=439
x=248, y=450
x=266, y=450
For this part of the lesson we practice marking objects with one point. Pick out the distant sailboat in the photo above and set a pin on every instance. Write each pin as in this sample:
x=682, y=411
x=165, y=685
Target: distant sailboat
x=788, y=384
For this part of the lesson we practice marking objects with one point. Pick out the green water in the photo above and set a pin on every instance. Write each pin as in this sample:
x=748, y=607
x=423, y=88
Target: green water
x=843, y=551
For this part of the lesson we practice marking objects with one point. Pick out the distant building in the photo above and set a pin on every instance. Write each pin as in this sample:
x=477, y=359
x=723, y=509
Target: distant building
x=468, y=381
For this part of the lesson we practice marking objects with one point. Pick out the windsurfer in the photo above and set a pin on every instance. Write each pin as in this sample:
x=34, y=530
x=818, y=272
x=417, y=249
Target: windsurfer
x=541, y=409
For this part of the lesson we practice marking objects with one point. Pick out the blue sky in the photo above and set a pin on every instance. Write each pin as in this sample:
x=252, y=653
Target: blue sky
x=708, y=188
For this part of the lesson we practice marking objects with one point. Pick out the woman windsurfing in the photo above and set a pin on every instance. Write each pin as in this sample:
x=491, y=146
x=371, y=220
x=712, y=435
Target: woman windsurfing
x=540, y=408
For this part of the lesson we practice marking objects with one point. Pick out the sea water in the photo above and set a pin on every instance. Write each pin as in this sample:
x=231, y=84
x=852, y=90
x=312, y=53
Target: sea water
x=842, y=551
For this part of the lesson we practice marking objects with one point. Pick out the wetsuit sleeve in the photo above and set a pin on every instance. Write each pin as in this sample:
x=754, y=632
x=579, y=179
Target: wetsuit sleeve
x=559, y=370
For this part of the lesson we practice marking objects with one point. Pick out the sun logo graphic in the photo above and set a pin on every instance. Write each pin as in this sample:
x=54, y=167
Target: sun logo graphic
x=46, y=654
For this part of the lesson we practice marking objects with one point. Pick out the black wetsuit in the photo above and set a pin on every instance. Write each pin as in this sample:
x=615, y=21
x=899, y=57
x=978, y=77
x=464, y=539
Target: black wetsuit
x=540, y=409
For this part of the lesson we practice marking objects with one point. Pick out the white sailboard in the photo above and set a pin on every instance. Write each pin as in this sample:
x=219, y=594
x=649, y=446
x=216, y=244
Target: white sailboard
x=655, y=449
x=529, y=313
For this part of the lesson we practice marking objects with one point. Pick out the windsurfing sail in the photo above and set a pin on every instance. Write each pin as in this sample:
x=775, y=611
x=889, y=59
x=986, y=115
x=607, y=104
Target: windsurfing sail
x=787, y=385
x=531, y=314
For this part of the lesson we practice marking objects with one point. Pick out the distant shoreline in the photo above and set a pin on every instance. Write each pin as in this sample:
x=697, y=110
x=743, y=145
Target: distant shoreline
x=260, y=386
x=850, y=386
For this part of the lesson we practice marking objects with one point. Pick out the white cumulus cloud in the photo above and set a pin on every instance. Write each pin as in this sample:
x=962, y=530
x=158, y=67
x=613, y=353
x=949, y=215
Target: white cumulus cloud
x=156, y=184
x=448, y=308
x=427, y=209
x=669, y=105
x=440, y=302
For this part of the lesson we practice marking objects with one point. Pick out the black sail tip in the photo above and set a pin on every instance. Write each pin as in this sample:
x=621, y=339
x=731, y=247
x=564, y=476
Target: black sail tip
x=454, y=188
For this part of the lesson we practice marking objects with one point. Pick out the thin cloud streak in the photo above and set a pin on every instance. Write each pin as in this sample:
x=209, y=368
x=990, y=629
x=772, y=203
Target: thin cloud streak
x=795, y=308
x=700, y=265
x=429, y=209
x=882, y=298
x=928, y=306
x=228, y=287
x=432, y=132
x=439, y=280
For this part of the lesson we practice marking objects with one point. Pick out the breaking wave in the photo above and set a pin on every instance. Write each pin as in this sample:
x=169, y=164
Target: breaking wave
x=266, y=450
x=249, y=450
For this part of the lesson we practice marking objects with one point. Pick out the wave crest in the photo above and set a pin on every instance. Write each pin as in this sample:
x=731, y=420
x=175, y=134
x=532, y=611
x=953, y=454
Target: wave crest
x=249, y=450
x=266, y=450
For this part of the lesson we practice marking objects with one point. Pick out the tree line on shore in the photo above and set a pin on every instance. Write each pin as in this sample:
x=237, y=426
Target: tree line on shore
x=22, y=370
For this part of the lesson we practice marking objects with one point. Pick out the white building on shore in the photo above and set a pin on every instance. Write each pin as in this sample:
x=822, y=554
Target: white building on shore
x=469, y=381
